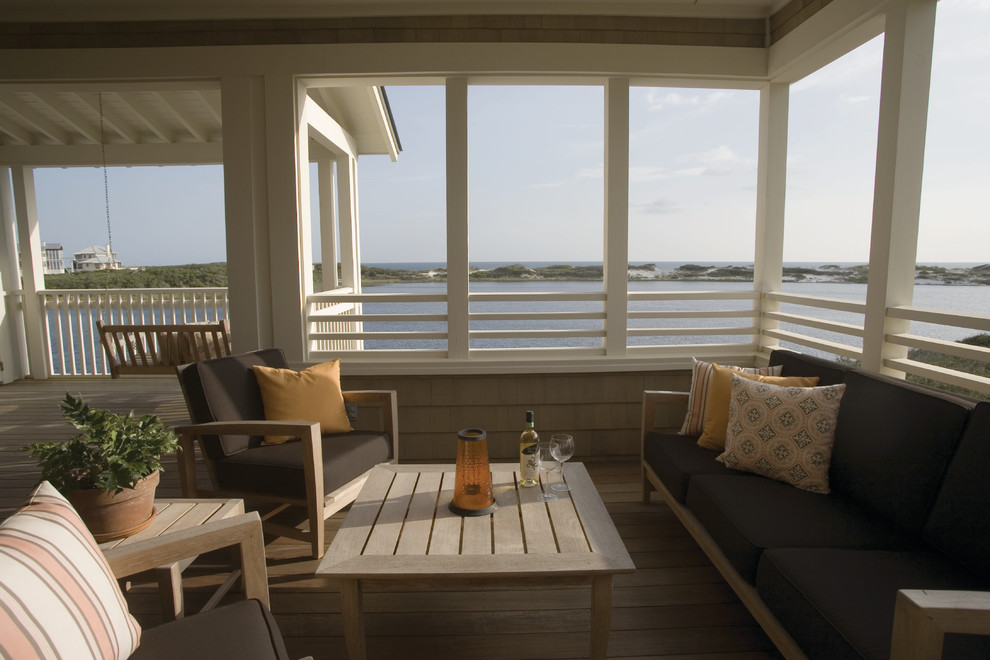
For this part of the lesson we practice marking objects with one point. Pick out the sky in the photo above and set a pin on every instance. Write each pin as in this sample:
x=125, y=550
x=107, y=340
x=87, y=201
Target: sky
x=536, y=173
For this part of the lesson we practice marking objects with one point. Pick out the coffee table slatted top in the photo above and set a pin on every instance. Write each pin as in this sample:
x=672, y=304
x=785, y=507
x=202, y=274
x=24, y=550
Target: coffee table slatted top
x=401, y=527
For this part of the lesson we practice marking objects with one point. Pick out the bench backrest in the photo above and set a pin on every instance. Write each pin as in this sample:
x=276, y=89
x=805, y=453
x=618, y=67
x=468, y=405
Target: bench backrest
x=158, y=349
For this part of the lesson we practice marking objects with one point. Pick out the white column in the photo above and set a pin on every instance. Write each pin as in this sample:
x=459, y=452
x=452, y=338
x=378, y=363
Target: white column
x=350, y=254
x=245, y=182
x=904, y=90
x=13, y=350
x=771, y=185
x=616, y=258
x=32, y=270
x=288, y=212
x=457, y=219
x=327, y=186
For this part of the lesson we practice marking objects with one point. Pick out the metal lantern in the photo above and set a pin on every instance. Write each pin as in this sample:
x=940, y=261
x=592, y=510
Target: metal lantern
x=473, y=494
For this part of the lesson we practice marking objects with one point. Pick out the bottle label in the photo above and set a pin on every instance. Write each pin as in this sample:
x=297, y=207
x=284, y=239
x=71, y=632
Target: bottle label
x=528, y=467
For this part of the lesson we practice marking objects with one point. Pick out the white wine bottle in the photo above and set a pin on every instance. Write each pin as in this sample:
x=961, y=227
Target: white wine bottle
x=528, y=468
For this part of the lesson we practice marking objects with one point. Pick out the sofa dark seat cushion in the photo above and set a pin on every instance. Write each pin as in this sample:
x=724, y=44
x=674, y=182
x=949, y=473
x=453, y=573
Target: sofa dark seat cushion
x=745, y=515
x=245, y=630
x=893, y=442
x=840, y=603
x=278, y=466
x=675, y=458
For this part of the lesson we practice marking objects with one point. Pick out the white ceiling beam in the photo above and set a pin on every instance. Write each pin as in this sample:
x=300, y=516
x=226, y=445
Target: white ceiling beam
x=326, y=131
x=30, y=116
x=118, y=155
x=212, y=103
x=70, y=115
x=153, y=125
x=15, y=132
x=111, y=119
x=183, y=118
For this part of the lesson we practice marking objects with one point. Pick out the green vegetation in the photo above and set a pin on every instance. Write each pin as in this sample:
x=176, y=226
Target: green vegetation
x=215, y=275
x=150, y=277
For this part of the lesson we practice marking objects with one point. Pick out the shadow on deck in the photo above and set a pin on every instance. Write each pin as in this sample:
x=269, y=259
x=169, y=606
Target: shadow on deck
x=675, y=605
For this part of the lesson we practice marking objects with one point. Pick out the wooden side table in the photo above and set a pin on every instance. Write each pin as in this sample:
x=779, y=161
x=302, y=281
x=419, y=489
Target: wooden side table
x=175, y=515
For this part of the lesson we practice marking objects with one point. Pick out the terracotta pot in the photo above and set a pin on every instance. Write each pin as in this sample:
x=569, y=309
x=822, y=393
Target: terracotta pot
x=115, y=516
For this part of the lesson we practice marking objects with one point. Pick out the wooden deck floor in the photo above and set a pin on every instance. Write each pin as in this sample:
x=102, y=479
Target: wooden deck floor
x=675, y=606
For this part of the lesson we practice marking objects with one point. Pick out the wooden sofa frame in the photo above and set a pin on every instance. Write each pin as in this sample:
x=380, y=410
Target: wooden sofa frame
x=158, y=349
x=921, y=618
x=318, y=508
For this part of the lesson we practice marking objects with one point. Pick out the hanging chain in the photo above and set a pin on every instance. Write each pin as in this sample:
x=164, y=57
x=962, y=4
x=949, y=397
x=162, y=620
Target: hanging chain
x=106, y=191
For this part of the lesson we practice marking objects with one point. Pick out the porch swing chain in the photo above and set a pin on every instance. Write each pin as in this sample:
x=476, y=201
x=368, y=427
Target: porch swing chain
x=106, y=194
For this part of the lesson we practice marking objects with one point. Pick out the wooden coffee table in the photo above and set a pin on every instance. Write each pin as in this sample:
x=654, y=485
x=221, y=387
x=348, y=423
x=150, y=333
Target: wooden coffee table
x=399, y=531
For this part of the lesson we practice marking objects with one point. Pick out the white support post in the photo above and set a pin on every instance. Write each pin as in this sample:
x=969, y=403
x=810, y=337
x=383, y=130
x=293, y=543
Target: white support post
x=904, y=89
x=245, y=184
x=350, y=254
x=32, y=270
x=771, y=185
x=13, y=350
x=616, y=266
x=327, y=189
x=458, y=324
x=288, y=212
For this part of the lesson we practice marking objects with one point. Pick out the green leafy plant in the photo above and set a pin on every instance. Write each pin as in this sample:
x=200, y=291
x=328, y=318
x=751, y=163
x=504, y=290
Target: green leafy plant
x=112, y=452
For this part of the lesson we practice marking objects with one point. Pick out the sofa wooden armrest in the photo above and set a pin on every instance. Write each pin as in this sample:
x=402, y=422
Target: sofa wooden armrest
x=923, y=617
x=243, y=531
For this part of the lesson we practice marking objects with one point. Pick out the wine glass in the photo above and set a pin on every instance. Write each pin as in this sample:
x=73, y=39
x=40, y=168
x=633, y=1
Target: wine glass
x=562, y=447
x=547, y=463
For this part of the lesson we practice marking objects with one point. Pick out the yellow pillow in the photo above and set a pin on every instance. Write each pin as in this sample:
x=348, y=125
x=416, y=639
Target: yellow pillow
x=311, y=395
x=717, y=406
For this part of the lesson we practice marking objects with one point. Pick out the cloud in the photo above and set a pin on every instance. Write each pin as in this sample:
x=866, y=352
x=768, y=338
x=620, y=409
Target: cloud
x=660, y=207
x=659, y=99
x=720, y=161
x=591, y=172
x=852, y=99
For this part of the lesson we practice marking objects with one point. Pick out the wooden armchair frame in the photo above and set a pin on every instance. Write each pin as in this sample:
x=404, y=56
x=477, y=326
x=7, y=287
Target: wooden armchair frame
x=922, y=618
x=318, y=506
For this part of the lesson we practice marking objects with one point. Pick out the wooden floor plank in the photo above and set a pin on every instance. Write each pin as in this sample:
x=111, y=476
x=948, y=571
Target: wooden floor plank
x=674, y=607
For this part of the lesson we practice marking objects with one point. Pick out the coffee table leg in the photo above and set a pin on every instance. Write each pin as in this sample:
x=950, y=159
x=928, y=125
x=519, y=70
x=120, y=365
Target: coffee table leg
x=601, y=615
x=353, y=618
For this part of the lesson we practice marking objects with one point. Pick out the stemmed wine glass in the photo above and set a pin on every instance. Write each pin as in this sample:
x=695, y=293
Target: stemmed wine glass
x=562, y=448
x=547, y=463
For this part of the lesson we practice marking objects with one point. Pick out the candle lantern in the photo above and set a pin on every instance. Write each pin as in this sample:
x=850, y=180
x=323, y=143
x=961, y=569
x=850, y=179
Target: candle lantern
x=473, y=480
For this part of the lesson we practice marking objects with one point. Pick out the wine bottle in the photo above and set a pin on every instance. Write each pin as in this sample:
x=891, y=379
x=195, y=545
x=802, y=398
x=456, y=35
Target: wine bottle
x=528, y=468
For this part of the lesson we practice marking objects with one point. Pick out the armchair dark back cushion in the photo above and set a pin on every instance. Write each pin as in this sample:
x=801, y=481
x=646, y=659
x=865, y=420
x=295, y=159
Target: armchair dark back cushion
x=225, y=390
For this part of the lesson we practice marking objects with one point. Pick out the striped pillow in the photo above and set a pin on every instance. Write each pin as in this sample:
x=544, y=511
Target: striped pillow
x=58, y=597
x=701, y=382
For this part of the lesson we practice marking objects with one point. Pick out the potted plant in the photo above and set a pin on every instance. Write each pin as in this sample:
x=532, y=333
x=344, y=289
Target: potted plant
x=109, y=471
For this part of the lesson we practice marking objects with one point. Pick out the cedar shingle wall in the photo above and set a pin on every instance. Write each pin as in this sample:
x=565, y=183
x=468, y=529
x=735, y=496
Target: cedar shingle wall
x=792, y=15
x=601, y=410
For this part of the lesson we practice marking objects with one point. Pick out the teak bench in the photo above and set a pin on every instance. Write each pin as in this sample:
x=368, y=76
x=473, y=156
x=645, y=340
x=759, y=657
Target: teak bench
x=158, y=349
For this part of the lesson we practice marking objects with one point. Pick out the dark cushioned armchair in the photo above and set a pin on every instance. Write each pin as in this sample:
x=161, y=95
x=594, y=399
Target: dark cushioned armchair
x=323, y=474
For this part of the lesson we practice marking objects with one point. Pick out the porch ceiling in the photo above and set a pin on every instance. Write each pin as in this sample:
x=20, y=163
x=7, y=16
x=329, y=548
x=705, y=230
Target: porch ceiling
x=128, y=10
x=167, y=123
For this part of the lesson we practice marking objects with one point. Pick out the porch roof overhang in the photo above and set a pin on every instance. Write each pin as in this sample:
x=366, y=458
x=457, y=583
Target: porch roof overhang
x=156, y=122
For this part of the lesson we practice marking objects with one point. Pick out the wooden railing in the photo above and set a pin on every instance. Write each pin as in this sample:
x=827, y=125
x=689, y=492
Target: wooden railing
x=70, y=319
x=659, y=325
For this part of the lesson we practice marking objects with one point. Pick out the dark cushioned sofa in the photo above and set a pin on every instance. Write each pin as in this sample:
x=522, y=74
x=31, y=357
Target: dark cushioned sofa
x=907, y=510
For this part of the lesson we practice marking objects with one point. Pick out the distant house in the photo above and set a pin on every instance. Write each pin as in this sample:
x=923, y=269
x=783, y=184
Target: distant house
x=95, y=257
x=53, y=259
